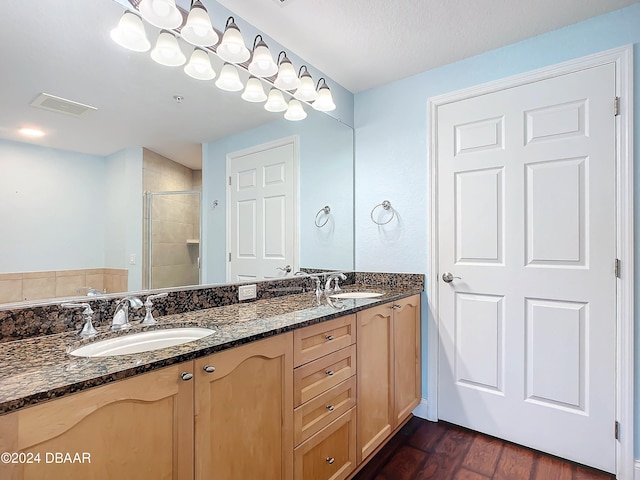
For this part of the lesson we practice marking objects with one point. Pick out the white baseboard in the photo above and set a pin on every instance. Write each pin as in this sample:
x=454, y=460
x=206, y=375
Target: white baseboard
x=421, y=411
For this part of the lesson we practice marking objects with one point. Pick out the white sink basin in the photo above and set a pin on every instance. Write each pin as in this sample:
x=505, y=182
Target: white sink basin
x=141, y=342
x=356, y=295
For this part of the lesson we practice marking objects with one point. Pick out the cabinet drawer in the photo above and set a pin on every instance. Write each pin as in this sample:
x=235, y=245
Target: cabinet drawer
x=331, y=453
x=311, y=417
x=313, y=342
x=313, y=378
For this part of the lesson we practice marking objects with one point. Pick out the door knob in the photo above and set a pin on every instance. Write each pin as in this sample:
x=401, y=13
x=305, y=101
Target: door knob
x=448, y=277
x=286, y=269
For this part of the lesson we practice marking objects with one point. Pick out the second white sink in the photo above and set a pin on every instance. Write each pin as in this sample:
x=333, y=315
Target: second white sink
x=141, y=342
x=356, y=295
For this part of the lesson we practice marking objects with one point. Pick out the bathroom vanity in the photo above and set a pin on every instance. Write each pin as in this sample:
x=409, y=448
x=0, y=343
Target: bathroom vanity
x=293, y=387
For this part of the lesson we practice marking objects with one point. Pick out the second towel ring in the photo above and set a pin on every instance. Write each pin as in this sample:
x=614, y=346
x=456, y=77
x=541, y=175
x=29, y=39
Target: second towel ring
x=386, y=205
x=326, y=210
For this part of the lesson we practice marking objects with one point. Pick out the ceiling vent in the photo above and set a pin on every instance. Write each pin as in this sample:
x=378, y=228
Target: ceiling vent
x=61, y=105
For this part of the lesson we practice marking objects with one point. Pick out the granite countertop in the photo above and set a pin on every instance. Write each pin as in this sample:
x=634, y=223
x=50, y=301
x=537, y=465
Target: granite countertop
x=38, y=369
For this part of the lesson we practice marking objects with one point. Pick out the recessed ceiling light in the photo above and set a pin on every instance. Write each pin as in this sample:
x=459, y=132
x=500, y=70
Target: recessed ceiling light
x=31, y=132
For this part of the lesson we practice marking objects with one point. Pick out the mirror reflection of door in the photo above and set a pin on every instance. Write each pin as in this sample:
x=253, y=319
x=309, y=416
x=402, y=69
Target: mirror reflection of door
x=262, y=190
x=173, y=238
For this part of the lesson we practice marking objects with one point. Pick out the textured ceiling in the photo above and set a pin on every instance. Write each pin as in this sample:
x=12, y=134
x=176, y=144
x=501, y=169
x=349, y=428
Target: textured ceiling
x=365, y=43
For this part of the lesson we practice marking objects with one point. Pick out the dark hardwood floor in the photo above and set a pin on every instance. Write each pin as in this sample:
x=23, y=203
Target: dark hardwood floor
x=441, y=451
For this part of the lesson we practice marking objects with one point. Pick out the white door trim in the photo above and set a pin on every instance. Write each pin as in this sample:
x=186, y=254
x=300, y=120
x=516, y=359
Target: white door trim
x=623, y=59
x=293, y=139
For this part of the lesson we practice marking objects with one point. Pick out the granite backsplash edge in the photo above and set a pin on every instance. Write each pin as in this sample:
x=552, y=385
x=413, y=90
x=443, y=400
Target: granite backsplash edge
x=18, y=322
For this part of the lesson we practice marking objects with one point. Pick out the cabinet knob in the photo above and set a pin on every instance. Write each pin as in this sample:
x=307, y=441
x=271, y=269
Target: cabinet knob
x=186, y=376
x=329, y=372
x=331, y=408
x=329, y=337
x=209, y=368
x=330, y=460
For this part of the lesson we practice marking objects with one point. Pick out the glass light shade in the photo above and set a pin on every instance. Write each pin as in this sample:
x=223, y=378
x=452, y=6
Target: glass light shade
x=229, y=79
x=167, y=51
x=262, y=64
x=232, y=48
x=254, y=92
x=287, y=78
x=275, y=101
x=161, y=13
x=324, y=102
x=307, y=90
x=198, y=30
x=295, y=111
x=130, y=33
x=199, y=66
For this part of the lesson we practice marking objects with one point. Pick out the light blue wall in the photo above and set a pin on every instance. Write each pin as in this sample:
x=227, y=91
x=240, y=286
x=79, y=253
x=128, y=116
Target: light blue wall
x=124, y=203
x=326, y=178
x=392, y=144
x=47, y=200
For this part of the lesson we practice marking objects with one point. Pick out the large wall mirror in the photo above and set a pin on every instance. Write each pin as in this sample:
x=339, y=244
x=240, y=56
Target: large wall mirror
x=128, y=186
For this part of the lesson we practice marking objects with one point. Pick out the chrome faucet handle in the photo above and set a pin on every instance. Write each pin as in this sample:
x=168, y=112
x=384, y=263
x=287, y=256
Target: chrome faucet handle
x=88, y=330
x=318, y=284
x=148, y=304
x=338, y=276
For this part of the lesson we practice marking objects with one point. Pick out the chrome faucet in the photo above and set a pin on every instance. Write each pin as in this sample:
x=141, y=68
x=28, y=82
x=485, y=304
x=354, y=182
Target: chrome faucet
x=121, y=315
x=334, y=277
x=88, y=330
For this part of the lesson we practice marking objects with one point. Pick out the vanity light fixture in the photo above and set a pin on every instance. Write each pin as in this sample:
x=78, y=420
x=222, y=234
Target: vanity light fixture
x=232, y=48
x=262, y=64
x=229, y=79
x=199, y=66
x=130, y=33
x=254, y=91
x=307, y=90
x=198, y=30
x=324, y=102
x=275, y=101
x=295, y=111
x=167, y=51
x=287, y=78
x=161, y=13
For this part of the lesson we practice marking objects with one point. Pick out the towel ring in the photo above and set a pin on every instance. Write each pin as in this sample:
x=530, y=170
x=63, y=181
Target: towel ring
x=386, y=205
x=326, y=210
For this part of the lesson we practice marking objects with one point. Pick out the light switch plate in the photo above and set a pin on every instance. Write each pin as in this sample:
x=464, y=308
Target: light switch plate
x=247, y=292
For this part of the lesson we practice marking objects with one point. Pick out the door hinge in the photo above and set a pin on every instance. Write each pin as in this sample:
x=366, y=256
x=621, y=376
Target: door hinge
x=616, y=429
x=229, y=180
x=616, y=106
x=229, y=256
x=616, y=268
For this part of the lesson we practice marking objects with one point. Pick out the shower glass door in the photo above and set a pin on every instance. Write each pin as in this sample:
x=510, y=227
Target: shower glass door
x=172, y=239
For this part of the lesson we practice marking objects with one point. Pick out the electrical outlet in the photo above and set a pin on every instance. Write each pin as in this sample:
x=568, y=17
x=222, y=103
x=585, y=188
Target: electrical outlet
x=247, y=292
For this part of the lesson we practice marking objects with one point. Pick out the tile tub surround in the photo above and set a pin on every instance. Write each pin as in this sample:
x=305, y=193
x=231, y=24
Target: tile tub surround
x=18, y=322
x=37, y=369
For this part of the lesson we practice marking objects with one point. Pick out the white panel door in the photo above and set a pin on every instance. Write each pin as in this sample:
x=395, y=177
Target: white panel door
x=262, y=223
x=526, y=219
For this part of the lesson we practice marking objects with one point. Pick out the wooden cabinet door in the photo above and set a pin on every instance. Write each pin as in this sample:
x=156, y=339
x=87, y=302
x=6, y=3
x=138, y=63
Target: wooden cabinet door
x=141, y=428
x=244, y=412
x=407, y=368
x=375, y=378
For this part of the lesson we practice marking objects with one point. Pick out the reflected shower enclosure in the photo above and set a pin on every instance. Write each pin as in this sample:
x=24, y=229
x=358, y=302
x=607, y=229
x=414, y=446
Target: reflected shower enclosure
x=172, y=239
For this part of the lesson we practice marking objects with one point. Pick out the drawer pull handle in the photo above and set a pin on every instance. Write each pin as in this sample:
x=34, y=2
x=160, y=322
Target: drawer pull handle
x=329, y=337
x=329, y=372
x=330, y=460
x=209, y=368
x=186, y=376
x=395, y=307
x=331, y=408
